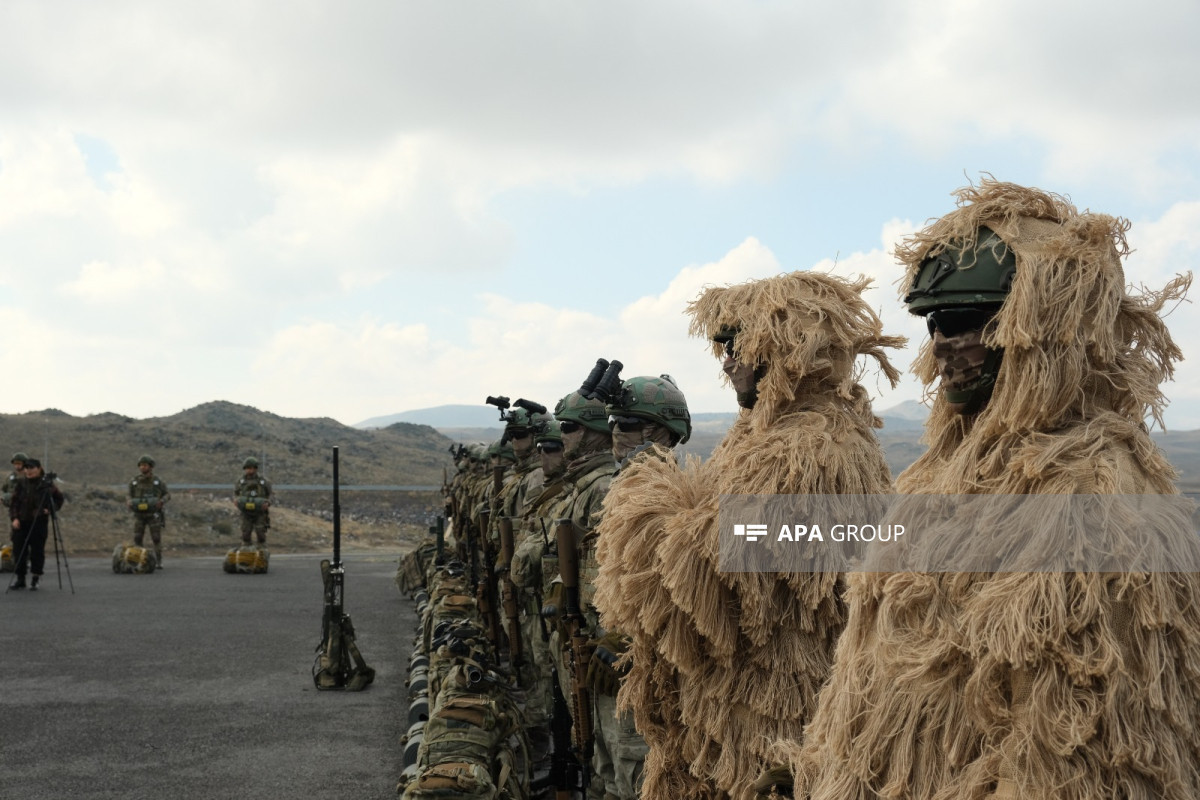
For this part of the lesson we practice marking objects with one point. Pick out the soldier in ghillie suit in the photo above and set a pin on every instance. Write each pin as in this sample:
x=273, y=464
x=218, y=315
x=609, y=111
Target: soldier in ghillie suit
x=724, y=662
x=252, y=496
x=1064, y=685
x=147, y=496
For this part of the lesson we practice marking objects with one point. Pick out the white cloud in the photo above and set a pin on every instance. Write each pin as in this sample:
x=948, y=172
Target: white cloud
x=519, y=348
x=254, y=149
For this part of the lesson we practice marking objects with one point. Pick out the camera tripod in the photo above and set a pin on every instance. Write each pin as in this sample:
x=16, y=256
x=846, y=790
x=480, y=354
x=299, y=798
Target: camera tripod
x=46, y=508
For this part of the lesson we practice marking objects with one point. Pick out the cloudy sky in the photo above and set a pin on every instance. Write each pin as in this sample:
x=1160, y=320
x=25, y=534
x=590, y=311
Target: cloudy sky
x=356, y=209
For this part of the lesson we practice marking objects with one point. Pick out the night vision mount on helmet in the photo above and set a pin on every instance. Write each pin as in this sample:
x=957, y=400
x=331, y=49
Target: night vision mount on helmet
x=524, y=414
x=586, y=406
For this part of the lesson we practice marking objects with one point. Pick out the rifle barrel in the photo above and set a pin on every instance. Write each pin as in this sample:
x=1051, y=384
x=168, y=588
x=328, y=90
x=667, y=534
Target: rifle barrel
x=337, y=514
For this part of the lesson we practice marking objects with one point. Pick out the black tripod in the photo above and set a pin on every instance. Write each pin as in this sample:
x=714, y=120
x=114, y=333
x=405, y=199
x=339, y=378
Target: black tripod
x=46, y=507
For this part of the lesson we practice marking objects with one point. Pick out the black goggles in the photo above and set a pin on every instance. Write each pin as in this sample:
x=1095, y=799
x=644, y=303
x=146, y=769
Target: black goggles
x=519, y=433
x=549, y=447
x=626, y=424
x=955, y=321
x=567, y=426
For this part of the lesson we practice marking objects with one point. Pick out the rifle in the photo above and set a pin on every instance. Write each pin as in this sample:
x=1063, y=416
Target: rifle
x=339, y=663
x=579, y=653
x=509, y=594
x=447, y=502
x=491, y=596
x=485, y=581
x=439, y=533
x=566, y=773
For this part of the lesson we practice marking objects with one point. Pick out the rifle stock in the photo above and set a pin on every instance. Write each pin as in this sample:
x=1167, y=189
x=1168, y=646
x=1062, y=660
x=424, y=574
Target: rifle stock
x=485, y=582
x=577, y=648
x=516, y=653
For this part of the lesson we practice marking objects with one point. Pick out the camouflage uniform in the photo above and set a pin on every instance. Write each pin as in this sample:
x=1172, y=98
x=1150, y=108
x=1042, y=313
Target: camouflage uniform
x=14, y=477
x=147, y=496
x=587, y=480
x=253, y=488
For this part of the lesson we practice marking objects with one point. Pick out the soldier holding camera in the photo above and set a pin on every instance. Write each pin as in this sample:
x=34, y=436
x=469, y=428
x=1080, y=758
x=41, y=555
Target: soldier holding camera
x=34, y=499
x=252, y=496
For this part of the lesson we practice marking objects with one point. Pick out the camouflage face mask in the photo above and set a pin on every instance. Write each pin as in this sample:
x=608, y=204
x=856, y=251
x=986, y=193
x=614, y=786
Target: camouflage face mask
x=968, y=369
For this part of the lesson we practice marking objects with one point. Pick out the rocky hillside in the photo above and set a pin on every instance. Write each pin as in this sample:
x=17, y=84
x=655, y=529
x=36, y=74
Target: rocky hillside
x=96, y=455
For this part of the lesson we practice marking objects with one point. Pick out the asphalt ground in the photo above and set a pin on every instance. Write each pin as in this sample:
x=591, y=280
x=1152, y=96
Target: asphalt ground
x=195, y=683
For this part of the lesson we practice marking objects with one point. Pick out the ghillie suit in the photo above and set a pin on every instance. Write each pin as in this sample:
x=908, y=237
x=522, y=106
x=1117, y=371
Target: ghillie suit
x=724, y=662
x=1064, y=685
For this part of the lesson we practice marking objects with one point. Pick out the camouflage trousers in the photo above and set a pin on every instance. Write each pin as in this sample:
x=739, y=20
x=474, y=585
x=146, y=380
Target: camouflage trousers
x=155, y=521
x=539, y=667
x=258, y=522
x=620, y=751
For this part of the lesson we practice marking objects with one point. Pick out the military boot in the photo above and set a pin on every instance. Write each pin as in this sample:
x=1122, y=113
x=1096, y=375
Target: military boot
x=20, y=584
x=33, y=583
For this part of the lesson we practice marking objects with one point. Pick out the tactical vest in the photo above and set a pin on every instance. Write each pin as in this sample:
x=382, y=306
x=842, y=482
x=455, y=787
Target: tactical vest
x=257, y=486
x=144, y=491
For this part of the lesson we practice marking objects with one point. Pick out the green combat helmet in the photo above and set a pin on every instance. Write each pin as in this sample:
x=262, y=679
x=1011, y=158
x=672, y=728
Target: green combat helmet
x=547, y=431
x=250, y=462
x=589, y=413
x=526, y=415
x=960, y=289
x=19, y=457
x=960, y=278
x=146, y=460
x=502, y=449
x=657, y=400
x=586, y=406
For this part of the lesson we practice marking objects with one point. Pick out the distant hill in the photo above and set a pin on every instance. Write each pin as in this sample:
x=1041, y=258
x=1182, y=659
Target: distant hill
x=208, y=443
x=448, y=416
x=96, y=455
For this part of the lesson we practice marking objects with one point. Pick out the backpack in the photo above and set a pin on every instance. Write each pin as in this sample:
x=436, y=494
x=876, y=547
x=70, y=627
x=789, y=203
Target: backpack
x=249, y=560
x=131, y=559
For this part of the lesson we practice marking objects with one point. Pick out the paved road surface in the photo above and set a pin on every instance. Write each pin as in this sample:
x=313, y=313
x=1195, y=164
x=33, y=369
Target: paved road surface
x=193, y=683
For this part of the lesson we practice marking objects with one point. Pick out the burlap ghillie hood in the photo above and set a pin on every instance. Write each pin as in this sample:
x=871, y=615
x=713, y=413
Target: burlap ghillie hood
x=725, y=663
x=1030, y=685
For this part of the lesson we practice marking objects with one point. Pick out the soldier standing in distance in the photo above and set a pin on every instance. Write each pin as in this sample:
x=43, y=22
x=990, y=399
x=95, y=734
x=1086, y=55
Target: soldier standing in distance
x=147, y=496
x=18, y=473
x=30, y=511
x=252, y=496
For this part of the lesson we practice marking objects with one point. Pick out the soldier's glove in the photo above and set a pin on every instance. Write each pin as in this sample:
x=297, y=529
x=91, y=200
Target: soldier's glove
x=604, y=673
x=552, y=605
x=775, y=783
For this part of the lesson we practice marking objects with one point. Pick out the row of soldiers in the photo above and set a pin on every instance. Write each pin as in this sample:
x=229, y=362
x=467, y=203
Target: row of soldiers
x=586, y=559
x=512, y=506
